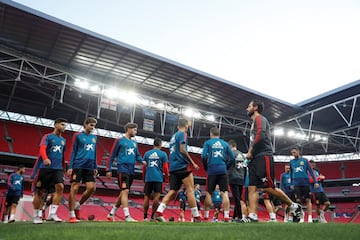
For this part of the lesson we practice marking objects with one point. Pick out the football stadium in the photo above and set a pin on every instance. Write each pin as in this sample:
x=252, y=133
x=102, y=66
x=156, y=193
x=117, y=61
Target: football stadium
x=51, y=69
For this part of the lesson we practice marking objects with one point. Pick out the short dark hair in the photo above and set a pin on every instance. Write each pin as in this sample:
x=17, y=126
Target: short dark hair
x=182, y=122
x=232, y=143
x=215, y=131
x=130, y=126
x=295, y=148
x=311, y=161
x=157, y=142
x=60, y=120
x=90, y=120
x=259, y=104
x=20, y=166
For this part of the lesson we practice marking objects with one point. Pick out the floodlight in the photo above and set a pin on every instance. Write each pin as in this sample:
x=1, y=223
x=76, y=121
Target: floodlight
x=210, y=118
x=83, y=84
x=279, y=132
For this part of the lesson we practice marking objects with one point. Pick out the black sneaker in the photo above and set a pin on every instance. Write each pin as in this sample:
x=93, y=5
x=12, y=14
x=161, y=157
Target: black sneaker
x=298, y=214
x=248, y=220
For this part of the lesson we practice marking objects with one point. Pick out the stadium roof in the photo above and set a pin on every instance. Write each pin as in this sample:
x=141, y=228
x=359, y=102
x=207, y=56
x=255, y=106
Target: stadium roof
x=43, y=58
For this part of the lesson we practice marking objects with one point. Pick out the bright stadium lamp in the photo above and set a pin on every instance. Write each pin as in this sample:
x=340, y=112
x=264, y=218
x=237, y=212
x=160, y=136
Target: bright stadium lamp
x=291, y=133
x=160, y=106
x=129, y=97
x=95, y=88
x=279, y=132
x=210, y=118
x=197, y=115
x=188, y=112
x=111, y=93
x=83, y=84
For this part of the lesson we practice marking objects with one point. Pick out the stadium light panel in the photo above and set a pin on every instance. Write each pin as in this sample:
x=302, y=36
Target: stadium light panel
x=197, y=115
x=210, y=118
x=95, y=88
x=279, y=132
x=83, y=84
x=111, y=93
x=129, y=97
x=188, y=112
x=291, y=133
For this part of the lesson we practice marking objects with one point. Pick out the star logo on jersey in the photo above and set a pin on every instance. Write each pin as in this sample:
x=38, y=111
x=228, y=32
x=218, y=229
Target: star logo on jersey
x=130, y=151
x=62, y=143
x=264, y=179
x=239, y=165
x=217, y=145
x=153, y=164
x=217, y=154
x=89, y=147
x=299, y=169
x=17, y=182
x=154, y=155
x=93, y=140
x=56, y=148
x=172, y=149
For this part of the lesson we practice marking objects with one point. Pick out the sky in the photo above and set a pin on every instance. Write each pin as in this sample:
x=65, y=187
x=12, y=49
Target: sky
x=292, y=50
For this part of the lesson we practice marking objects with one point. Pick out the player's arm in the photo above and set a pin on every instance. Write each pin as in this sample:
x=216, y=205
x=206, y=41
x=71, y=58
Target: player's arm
x=63, y=162
x=138, y=157
x=143, y=171
x=95, y=162
x=291, y=177
x=43, y=154
x=282, y=187
x=204, y=156
x=11, y=181
x=231, y=159
x=259, y=136
x=35, y=168
x=114, y=152
x=74, y=149
x=312, y=174
x=166, y=167
x=22, y=189
x=187, y=155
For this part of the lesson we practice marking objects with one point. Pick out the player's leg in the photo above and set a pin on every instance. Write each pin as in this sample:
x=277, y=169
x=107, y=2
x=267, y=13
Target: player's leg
x=89, y=191
x=7, y=209
x=12, y=211
x=189, y=185
x=326, y=204
x=41, y=183
x=156, y=198
x=269, y=207
x=111, y=216
x=224, y=190
x=210, y=187
x=244, y=200
x=88, y=178
x=146, y=207
x=72, y=199
x=127, y=180
x=175, y=184
x=59, y=188
x=156, y=203
x=236, y=191
x=38, y=202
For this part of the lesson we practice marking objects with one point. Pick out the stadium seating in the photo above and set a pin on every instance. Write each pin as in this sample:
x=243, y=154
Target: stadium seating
x=3, y=136
x=25, y=138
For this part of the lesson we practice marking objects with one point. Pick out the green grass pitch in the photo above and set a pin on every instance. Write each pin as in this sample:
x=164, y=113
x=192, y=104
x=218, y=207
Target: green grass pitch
x=175, y=231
